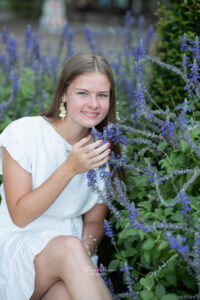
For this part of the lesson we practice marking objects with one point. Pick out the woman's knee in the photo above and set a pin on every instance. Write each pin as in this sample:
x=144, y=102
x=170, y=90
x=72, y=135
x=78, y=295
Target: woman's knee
x=62, y=247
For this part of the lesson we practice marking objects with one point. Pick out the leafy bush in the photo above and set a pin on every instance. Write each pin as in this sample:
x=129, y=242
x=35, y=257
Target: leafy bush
x=174, y=20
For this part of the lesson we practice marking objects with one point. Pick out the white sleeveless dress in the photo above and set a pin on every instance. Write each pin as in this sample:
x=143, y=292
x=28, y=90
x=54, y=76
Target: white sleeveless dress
x=39, y=149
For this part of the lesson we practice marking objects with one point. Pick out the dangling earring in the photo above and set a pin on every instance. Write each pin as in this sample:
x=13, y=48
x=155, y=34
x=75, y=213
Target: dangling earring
x=62, y=110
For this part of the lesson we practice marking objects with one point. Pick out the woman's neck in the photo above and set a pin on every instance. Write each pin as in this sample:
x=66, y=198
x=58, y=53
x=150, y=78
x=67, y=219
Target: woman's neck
x=72, y=134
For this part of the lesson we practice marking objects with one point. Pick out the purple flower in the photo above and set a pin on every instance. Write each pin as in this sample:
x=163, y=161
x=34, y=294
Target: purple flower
x=12, y=49
x=140, y=51
x=36, y=46
x=128, y=20
x=196, y=48
x=185, y=200
x=129, y=281
x=168, y=129
x=108, y=229
x=4, y=35
x=177, y=242
x=184, y=42
x=89, y=36
x=28, y=37
x=15, y=80
x=54, y=64
x=91, y=177
x=194, y=71
x=140, y=98
x=35, y=66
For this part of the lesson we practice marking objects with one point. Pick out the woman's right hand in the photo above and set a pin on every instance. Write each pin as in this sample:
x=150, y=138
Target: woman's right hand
x=86, y=156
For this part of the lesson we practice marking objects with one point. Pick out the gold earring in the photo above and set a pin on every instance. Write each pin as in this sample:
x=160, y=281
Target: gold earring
x=62, y=110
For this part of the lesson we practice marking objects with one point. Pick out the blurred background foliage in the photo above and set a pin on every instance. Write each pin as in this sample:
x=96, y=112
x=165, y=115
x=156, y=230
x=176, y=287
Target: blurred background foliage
x=175, y=18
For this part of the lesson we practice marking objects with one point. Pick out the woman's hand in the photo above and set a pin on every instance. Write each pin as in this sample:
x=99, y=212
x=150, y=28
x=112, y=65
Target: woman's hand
x=84, y=157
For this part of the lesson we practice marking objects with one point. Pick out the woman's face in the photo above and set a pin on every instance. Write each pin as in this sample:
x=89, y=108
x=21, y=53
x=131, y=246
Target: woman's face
x=88, y=99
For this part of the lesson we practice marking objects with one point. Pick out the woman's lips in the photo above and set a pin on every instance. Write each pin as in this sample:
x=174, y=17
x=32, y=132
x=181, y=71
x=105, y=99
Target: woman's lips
x=91, y=115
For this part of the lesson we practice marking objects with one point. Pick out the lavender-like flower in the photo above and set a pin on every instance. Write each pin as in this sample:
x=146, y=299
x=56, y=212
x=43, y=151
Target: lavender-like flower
x=15, y=81
x=194, y=71
x=54, y=65
x=28, y=38
x=36, y=47
x=184, y=42
x=109, y=231
x=185, y=200
x=4, y=35
x=177, y=242
x=89, y=36
x=12, y=49
x=129, y=281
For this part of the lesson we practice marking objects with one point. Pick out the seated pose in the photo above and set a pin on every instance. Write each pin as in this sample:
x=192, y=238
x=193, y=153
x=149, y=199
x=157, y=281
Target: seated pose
x=50, y=220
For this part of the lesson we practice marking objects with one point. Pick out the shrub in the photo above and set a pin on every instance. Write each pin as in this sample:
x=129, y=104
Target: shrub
x=174, y=20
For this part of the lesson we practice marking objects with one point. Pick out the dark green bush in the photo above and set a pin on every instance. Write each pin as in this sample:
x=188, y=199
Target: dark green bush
x=174, y=19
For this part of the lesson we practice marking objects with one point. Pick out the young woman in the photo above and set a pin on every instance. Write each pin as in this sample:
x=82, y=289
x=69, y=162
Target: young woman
x=50, y=221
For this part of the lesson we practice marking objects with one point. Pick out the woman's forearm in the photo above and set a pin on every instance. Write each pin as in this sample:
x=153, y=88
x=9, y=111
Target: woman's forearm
x=33, y=204
x=92, y=235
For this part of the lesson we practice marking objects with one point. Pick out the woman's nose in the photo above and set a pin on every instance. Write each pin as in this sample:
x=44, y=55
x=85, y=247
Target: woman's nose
x=93, y=101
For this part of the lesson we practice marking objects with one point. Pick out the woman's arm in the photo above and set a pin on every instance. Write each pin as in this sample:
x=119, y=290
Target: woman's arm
x=25, y=204
x=93, y=229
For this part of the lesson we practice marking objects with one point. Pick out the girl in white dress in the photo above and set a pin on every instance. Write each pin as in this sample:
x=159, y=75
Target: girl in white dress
x=50, y=221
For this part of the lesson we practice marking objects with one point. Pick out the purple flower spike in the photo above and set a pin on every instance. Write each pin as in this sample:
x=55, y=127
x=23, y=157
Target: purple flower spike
x=28, y=37
x=4, y=35
x=15, y=80
x=194, y=72
x=109, y=231
x=185, y=200
x=90, y=39
x=12, y=49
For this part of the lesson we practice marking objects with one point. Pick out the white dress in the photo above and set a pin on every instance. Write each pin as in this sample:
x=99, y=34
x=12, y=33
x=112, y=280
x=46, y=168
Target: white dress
x=39, y=149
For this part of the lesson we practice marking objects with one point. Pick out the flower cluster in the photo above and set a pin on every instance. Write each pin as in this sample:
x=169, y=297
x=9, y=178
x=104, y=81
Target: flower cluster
x=177, y=242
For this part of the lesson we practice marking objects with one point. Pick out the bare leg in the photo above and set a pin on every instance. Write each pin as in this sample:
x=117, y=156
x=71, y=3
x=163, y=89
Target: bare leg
x=58, y=291
x=65, y=259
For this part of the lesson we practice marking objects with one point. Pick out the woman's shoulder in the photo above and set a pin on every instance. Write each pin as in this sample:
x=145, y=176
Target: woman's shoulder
x=25, y=123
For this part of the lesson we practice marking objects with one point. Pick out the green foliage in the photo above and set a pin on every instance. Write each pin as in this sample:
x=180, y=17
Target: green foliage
x=174, y=20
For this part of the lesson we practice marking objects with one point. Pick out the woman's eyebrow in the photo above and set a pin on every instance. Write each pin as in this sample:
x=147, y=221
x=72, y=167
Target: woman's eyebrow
x=82, y=89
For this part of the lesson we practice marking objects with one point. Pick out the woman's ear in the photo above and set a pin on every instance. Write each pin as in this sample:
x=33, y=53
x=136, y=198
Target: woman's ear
x=64, y=98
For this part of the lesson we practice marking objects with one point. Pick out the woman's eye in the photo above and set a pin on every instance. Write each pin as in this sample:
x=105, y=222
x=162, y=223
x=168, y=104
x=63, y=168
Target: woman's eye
x=82, y=93
x=103, y=95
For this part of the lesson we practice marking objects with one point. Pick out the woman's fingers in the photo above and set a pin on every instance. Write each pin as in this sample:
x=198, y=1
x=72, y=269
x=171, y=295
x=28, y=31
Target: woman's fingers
x=83, y=141
x=97, y=151
x=84, y=157
x=100, y=163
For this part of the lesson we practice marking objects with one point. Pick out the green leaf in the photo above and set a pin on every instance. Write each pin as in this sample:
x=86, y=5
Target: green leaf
x=160, y=291
x=148, y=245
x=143, y=282
x=184, y=146
x=147, y=256
x=171, y=277
x=163, y=245
x=177, y=217
x=170, y=297
x=128, y=232
x=131, y=252
x=113, y=265
x=147, y=295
